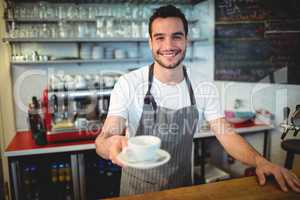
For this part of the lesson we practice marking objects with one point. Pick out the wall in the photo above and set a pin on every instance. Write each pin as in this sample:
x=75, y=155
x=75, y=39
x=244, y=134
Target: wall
x=1, y=165
x=7, y=130
x=273, y=97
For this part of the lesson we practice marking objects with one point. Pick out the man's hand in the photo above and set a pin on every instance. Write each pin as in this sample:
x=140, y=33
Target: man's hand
x=115, y=146
x=110, y=142
x=283, y=176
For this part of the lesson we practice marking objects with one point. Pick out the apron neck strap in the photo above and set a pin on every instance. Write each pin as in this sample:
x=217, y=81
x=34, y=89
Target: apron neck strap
x=190, y=88
x=149, y=98
x=150, y=78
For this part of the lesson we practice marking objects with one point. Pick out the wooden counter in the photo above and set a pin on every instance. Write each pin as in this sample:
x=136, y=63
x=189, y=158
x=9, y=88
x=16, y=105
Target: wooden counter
x=235, y=189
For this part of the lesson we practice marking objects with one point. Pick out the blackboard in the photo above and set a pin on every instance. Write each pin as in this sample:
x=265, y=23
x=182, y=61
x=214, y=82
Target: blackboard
x=257, y=41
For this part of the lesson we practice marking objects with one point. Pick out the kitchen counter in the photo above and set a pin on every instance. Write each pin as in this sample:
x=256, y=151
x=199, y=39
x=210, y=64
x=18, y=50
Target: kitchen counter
x=23, y=144
x=242, y=130
x=235, y=189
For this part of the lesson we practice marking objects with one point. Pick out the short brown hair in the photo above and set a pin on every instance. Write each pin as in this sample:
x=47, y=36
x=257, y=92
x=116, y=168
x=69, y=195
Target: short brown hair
x=168, y=11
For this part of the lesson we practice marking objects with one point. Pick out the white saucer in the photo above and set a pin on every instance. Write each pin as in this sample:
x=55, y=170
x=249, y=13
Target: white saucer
x=162, y=157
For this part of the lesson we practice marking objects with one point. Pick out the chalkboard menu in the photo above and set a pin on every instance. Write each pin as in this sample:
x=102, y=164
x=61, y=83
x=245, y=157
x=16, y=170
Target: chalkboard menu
x=257, y=41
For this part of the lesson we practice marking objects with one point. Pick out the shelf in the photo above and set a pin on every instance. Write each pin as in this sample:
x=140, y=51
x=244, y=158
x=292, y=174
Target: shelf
x=188, y=2
x=79, y=61
x=283, y=32
x=75, y=39
x=28, y=20
x=194, y=59
x=239, y=22
x=55, y=20
x=57, y=40
x=81, y=93
x=32, y=20
x=240, y=39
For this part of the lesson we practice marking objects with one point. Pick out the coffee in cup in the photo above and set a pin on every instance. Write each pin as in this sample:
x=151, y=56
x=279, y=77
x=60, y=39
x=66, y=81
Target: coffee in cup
x=142, y=148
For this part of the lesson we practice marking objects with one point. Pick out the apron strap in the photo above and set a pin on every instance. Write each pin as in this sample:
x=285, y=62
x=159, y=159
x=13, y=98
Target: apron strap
x=190, y=88
x=149, y=99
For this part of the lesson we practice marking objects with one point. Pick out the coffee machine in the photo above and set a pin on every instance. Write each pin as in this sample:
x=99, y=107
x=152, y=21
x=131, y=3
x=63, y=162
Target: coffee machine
x=72, y=107
x=74, y=115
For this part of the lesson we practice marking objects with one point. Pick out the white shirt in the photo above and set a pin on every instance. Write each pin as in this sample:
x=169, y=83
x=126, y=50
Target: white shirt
x=127, y=97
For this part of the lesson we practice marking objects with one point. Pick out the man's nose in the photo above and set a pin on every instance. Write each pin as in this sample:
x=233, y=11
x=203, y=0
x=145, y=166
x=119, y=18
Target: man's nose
x=168, y=43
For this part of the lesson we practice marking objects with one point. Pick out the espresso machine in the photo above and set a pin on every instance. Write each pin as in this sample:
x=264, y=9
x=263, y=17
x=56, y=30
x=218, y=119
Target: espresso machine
x=74, y=115
x=294, y=124
x=73, y=107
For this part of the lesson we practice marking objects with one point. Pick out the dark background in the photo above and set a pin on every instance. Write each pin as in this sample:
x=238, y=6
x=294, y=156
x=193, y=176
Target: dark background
x=257, y=41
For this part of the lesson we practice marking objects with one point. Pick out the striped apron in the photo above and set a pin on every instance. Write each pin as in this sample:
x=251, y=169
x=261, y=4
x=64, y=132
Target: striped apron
x=175, y=128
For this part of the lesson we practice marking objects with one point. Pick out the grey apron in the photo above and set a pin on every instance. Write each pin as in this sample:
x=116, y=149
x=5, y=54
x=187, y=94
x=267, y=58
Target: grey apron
x=175, y=128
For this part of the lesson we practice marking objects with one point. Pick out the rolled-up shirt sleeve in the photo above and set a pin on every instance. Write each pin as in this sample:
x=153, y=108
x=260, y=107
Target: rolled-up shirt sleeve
x=213, y=109
x=208, y=98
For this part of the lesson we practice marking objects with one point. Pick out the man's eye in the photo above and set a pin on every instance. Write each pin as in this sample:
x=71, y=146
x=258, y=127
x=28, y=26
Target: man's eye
x=159, y=38
x=177, y=37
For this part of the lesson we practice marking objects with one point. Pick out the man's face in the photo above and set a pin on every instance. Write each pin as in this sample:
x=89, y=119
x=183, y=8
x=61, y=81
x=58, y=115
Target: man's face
x=168, y=42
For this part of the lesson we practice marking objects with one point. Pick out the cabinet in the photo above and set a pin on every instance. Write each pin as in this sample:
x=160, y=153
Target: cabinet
x=78, y=175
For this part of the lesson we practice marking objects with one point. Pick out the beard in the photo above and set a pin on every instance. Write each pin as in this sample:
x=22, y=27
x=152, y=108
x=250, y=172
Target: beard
x=170, y=66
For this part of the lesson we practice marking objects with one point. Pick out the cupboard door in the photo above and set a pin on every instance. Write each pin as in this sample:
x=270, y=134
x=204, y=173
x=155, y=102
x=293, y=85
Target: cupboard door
x=99, y=178
x=45, y=177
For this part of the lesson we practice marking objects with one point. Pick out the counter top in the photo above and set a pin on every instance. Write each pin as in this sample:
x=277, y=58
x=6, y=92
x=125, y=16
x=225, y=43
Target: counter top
x=243, y=130
x=23, y=144
x=234, y=189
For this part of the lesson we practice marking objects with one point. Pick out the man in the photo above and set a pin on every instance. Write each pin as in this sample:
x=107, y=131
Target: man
x=161, y=100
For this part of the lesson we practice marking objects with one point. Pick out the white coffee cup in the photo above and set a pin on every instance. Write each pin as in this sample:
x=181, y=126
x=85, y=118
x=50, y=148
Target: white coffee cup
x=142, y=148
x=69, y=82
x=120, y=54
x=80, y=82
x=98, y=52
x=109, y=81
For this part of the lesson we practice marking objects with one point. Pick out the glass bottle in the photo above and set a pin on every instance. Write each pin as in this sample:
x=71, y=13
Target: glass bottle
x=45, y=31
x=36, y=123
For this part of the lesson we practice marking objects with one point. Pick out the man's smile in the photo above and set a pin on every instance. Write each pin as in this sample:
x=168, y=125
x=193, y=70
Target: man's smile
x=169, y=54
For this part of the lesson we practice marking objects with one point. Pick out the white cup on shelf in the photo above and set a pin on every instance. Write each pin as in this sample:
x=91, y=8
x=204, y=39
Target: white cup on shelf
x=132, y=53
x=86, y=51
x=120, y=54
x=98, y=52
x=109, y=53
x=80, y=82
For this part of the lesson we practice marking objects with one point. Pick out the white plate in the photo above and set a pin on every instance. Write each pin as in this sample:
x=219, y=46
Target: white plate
x=162, y=157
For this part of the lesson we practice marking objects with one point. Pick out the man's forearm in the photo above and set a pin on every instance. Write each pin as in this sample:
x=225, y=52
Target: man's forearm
x=234, y=144
x=240, y=149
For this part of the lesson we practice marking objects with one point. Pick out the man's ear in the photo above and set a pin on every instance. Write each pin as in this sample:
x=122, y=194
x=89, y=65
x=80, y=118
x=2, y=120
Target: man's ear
x=187, y=38
x=188, y=44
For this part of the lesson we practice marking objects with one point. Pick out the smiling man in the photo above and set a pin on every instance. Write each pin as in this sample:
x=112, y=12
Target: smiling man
x=161, y=100
x=168, y=46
